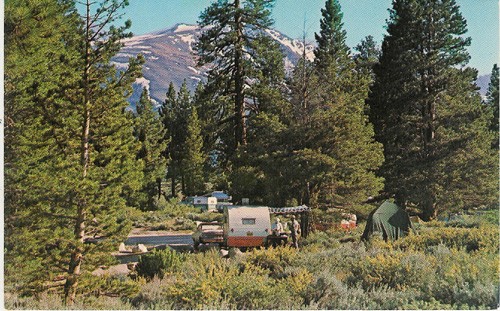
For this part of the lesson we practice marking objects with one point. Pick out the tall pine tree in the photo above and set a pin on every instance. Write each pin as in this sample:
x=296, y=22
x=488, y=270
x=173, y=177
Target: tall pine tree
x=493, y=101
x=323, y=152
x=70, y=142
x=367, y=56
x=427, y=113
x=185, y=148
x=166, y=112
x=40, y=126
x=150, y=133
x=194, y=158
x=339, y=132
x=331, y=39
x=181, y=114
x=231, y=40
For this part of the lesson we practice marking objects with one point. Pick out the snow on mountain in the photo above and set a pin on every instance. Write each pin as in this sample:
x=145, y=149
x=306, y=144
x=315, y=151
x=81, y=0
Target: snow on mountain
x=293, y=49
x=169, y=55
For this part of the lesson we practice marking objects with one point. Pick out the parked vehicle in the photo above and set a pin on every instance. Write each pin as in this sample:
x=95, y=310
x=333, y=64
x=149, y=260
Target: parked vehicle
x=205, y=203
x=208, y=232
x=246, y=226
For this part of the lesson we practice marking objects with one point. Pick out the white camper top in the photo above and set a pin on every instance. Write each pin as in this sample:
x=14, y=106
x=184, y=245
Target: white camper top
x=243, y=219
x=204, y=200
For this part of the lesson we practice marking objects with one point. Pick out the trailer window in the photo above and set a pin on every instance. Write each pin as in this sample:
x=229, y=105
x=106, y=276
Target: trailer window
x=248, y=221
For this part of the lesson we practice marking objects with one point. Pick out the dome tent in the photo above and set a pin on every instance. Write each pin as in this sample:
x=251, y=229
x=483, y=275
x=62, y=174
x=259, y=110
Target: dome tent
x=388, y=219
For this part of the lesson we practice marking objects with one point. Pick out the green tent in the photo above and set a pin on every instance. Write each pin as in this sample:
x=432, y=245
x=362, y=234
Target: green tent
x=388, y=219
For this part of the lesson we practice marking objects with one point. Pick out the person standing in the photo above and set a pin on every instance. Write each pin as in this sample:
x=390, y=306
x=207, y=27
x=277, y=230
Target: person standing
x=295, y=231
x=278, y=227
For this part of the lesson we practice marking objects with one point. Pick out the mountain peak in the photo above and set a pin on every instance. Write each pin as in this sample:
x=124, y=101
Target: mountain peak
x=169, y=55
x=181, y=27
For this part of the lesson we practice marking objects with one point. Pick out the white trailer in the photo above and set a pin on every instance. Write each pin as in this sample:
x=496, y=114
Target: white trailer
x=246, y=226
x=206, y=203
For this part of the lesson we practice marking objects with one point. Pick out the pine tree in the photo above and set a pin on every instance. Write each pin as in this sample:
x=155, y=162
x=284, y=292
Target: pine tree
x=179, y=136
x=322, y=151
x=493, y=101
x=166, y=112
x=150, y=133
x=367, y=56
x=331, y=39
x=333, y=63
x=70, y=143
x=185, y=148
x=103, y=133
x=426, y=112
x=339, y=132
x=39, y=126
x=305, y=91
x=194, y=158
x=234, y=38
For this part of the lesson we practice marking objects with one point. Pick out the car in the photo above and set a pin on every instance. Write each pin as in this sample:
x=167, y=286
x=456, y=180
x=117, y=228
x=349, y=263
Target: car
x=208, y=232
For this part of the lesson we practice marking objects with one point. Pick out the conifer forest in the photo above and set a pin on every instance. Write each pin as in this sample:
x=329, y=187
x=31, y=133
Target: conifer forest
x=346, y=130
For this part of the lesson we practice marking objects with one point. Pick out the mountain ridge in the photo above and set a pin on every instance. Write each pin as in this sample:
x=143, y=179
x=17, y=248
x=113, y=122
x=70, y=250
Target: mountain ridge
x=170, y=57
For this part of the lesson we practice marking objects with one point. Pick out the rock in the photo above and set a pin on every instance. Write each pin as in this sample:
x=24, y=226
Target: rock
x=123, y=249
x=235, y=252
x=224, y=253
x=131, y=266
x=140, y=249
x=120, y=269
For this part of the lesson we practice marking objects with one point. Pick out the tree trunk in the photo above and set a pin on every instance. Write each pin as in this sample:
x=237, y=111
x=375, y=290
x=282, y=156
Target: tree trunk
x=71, y=284
x=239, y=108
x=183, y=183
x=172, y=187
x=158, y=180
x=429, y=210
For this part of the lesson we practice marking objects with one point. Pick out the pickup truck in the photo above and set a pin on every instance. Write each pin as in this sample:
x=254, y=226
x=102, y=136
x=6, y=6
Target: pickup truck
x=208, y=232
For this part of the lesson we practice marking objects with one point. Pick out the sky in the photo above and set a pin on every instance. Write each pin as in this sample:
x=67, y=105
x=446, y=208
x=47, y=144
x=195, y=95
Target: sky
x=361, y=18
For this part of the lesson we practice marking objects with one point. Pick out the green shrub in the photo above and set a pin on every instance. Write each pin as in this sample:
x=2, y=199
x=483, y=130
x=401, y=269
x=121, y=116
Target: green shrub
x=380, y=275
x=320, y=239
x=463, y=278
x=52, y=301
x=107, y=285
x=329, y=292
x=158, y=262
x=207, y=281
x=206, y=216
x=336, y=261
x=176, y=209
x=489, y=216
x=201, y=280
x=485, y=238
x=254, y=289
x=152, y=295
x=275, y=260
x=393, y=269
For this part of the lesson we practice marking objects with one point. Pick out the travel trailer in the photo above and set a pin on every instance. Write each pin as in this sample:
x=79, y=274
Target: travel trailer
x=205, y=203
x=246, y=226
